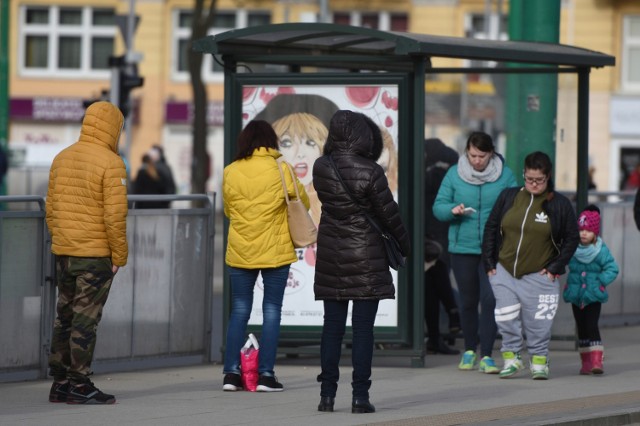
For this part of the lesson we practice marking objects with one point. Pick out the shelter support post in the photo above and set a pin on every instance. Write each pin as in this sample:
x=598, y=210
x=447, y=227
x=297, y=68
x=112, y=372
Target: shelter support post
x=583, y=139
x=416, y=199
x=232, y=127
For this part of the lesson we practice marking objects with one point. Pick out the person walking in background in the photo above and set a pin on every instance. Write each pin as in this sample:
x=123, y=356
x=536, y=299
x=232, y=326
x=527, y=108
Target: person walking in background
x=157, y=155
x=438, y=159
x=636, y=209
x=351, y=259
x=149, y=182
x=633, y=181
x=86, y=213
x=529, y=239
x=4, y=164
x=591, y=269
x=465, y=198
x=258, y=243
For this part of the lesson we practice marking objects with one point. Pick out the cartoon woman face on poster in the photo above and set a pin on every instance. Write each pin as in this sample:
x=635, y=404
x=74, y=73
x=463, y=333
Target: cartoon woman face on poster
x=302, y=137
x=301, y=122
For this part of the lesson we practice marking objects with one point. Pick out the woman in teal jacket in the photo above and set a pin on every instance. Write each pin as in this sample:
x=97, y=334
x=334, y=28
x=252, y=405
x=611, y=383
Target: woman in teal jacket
x=465, y=199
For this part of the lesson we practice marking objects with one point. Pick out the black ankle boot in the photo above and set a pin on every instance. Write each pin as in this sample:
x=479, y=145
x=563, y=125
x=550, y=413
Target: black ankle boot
x=326, y=403
x=362, y=406
x=439, y=347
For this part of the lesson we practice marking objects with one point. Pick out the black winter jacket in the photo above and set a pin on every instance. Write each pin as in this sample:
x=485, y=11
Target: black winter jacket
x=351, y=260
x=564, y=229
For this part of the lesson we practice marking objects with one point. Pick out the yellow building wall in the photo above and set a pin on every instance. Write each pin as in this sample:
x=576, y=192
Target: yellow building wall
x=591, y=24
x=594, y=24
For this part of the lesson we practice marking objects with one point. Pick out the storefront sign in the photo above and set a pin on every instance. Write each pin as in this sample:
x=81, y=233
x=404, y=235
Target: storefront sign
x=625, y=116
x=182, y=113
x=47, y=109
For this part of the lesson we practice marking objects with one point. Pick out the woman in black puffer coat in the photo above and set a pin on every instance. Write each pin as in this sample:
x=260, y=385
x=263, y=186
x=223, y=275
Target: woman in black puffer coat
x=351, y=260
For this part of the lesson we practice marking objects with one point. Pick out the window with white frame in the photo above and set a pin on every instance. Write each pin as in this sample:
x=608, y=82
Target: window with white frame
x=477, y=26
x=58, y=41
x=631, y=53
x=224, y=20
x=384, y=21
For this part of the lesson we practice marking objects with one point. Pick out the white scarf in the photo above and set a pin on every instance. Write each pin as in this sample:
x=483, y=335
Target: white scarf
x=491, y=173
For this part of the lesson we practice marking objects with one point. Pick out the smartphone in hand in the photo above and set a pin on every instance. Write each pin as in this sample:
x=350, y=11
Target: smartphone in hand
x=469, y=210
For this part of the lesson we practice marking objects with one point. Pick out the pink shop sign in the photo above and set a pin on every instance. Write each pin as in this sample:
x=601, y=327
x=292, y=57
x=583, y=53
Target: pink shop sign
x=182, y=113
x=46, y=109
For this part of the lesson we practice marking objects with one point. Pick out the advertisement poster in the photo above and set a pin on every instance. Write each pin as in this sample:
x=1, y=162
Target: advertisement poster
x=300, y=115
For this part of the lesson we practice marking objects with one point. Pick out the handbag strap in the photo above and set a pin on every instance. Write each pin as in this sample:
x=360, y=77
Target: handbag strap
x=366, y=214
x=280, y=160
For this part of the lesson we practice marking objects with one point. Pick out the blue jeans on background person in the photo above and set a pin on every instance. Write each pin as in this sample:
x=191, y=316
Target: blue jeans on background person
x=363, y=317
x=474, y=288
x=242, y=284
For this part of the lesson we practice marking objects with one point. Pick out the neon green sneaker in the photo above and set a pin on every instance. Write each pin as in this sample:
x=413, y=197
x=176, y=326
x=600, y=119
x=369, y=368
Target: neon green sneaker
x=488, y=366
x=512, y=364
x=468, y=361
x=539, y=367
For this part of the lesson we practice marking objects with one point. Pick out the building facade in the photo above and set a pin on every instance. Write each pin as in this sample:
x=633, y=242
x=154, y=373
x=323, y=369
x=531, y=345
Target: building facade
x=60, y=49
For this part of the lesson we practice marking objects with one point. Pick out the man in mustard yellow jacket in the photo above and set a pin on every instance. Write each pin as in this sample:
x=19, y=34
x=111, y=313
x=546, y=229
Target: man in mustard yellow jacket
x=86, y=213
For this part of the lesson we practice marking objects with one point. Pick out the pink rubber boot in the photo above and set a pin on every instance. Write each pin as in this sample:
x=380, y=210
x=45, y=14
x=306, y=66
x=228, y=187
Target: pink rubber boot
x=585, y=356
x=597, y=353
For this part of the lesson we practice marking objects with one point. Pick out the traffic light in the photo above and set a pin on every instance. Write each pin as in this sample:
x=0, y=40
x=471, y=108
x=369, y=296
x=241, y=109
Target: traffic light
x=129, y=80
x=124, y=78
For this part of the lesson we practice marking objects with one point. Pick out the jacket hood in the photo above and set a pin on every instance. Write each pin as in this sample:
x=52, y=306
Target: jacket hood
x=102, y=125
x=354, y=133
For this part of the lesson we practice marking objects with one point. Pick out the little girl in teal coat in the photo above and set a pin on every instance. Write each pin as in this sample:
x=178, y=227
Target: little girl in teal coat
x=591, y=269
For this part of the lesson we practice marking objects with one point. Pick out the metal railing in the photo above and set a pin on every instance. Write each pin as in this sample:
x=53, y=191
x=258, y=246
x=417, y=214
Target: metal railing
x=159, y=311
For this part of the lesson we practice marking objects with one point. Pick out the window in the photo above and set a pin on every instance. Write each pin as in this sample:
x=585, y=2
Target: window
x=66, y=41
x=385, y=21
x=497, y=29
x=223, y=21
x=631, y=53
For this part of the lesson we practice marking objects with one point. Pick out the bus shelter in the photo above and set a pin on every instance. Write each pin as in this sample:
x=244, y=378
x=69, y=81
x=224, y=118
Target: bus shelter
x=273, y=72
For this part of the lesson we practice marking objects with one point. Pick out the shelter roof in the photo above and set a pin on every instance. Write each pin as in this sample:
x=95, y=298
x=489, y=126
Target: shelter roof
x=312, y=43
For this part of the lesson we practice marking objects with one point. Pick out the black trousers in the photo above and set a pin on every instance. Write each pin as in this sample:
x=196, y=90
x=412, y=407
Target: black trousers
x=587, y=321
x=363, y=316
x=437, y=290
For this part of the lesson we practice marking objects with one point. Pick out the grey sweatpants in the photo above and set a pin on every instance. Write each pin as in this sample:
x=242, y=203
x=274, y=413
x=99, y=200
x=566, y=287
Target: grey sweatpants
x=526, y=305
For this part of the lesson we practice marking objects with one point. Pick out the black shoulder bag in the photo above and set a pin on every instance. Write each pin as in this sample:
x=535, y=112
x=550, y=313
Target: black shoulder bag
x=391, y=245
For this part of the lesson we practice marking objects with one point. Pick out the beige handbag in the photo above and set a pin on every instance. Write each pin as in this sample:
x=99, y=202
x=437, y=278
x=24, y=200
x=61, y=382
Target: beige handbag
x=301, y=227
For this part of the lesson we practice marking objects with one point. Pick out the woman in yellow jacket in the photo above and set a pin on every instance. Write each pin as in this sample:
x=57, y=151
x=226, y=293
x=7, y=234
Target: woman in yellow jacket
x=258, y=242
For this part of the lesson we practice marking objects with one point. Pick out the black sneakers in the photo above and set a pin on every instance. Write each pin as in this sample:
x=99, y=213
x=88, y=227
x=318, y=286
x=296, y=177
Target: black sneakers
x=87, y=393
x=232, y=382
x=269, y=384
x=59, y=392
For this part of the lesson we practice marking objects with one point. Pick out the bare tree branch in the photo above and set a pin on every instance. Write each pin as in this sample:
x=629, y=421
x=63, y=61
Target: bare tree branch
x=200, y=24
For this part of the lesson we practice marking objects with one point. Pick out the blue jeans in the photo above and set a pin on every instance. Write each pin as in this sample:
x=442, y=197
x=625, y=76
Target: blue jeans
x=335, y=318
x=474, y=288
x=242, y=284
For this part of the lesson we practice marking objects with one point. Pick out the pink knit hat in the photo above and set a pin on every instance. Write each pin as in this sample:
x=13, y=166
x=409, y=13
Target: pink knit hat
x=589, y=220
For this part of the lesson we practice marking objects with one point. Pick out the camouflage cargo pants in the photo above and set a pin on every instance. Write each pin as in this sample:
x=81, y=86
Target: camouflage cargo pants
x=83, y=287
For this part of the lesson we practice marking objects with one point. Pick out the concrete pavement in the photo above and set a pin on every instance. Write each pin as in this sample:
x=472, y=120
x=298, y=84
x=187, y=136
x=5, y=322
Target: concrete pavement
x=438, y=394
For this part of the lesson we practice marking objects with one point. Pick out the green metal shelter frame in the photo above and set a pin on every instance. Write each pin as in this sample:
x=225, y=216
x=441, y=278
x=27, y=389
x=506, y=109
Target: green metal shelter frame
x=403, y=59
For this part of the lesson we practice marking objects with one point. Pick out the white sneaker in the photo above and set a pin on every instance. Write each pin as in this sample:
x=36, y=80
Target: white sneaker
x=539, y=367
x=512, y=365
